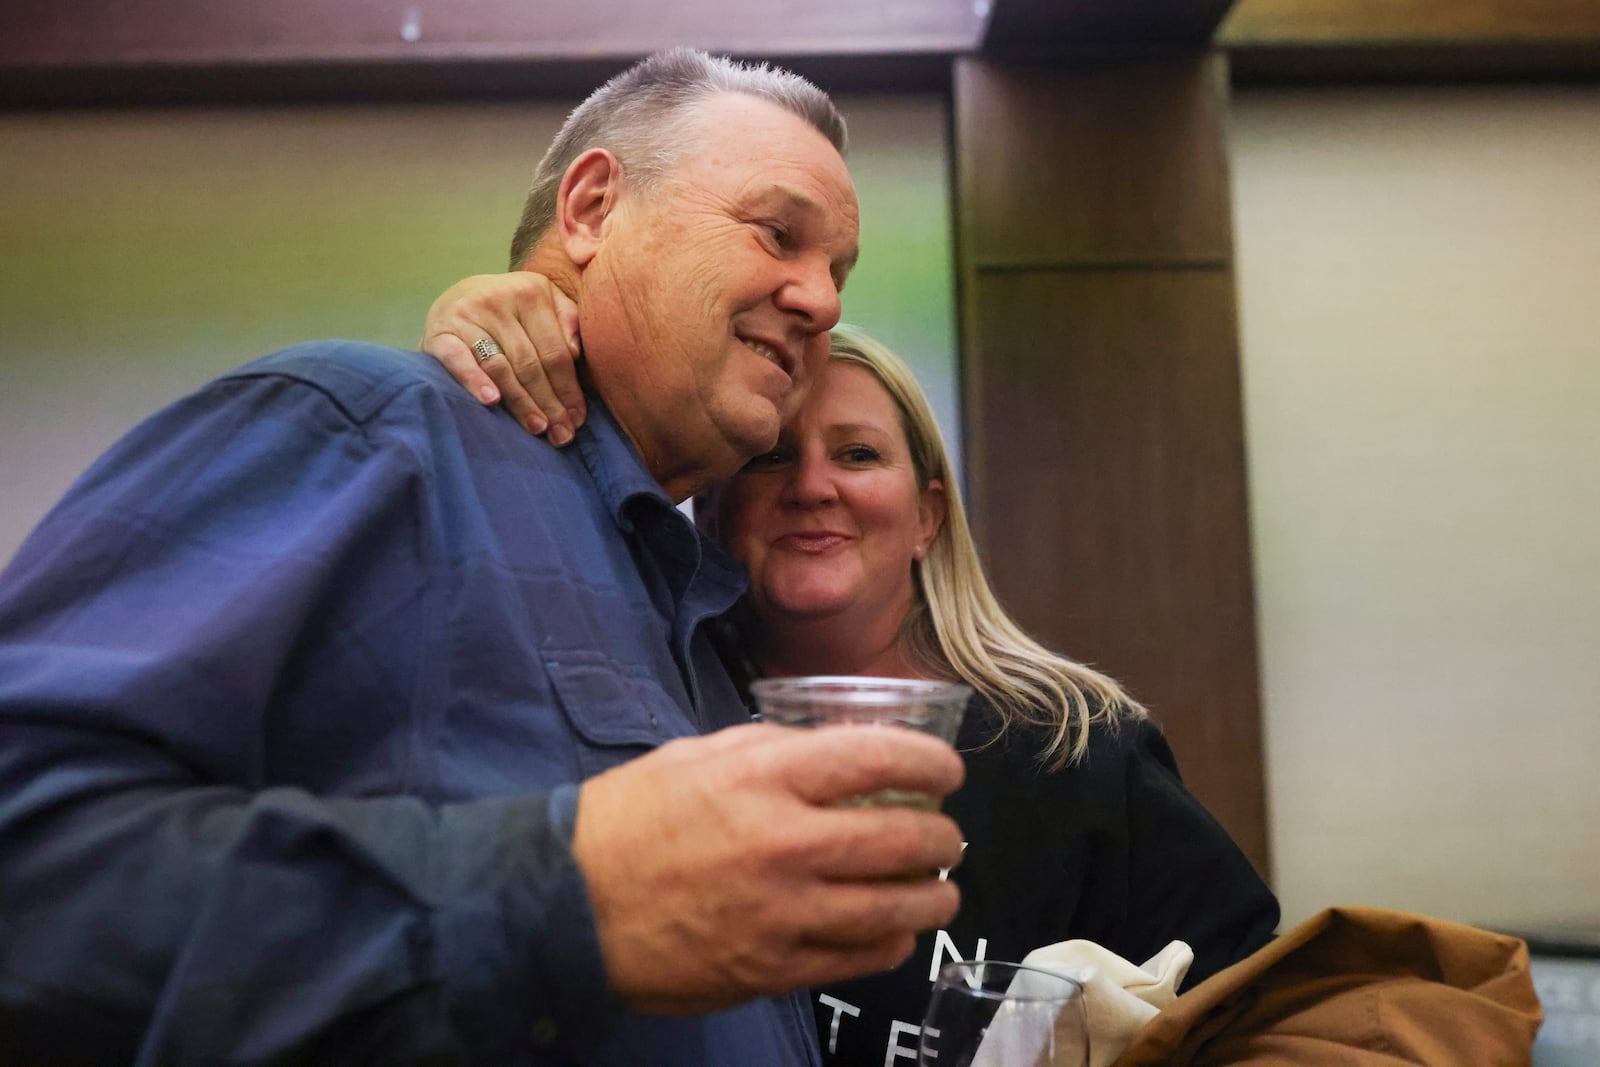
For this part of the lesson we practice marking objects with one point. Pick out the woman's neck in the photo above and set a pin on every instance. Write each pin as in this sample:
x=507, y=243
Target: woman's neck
x=792, y=647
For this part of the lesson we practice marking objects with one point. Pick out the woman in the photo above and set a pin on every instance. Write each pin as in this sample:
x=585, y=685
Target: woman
x=861, y=562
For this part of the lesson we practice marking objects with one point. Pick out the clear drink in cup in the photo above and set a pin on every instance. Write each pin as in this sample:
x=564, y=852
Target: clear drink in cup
x=932, y=707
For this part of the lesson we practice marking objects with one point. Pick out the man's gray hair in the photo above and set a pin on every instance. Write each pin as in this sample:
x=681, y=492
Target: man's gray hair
x=639, y=117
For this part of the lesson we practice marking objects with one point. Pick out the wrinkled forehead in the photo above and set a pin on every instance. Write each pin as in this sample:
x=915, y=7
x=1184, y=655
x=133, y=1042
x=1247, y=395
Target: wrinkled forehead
x=761, y=159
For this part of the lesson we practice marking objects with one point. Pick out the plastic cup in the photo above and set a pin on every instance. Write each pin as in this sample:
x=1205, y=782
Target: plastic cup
x=932, y=707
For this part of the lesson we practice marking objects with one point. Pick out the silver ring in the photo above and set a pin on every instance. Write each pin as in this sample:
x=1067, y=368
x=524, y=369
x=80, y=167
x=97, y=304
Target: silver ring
x=486, y=347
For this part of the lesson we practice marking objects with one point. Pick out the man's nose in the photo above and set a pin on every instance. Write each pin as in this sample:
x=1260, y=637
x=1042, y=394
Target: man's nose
x=812, y=293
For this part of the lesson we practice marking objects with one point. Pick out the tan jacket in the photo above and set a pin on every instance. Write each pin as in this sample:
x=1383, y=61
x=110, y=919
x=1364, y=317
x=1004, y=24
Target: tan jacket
x=1356, y=987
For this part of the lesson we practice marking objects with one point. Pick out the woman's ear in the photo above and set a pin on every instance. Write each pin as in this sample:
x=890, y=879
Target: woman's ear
x=585, y=200
x=930, y=515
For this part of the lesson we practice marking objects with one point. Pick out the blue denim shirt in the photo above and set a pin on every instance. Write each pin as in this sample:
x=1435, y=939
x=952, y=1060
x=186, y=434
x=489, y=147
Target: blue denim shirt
x=295, y=685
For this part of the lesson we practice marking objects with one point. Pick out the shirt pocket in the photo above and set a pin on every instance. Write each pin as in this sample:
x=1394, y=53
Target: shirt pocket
x=616, y=711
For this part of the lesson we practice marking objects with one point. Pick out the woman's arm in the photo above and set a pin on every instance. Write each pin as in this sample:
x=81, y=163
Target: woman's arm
x=535, y=327
x=1188, y=879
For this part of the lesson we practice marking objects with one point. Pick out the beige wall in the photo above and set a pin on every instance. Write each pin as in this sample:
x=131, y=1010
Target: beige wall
x=1419, y=275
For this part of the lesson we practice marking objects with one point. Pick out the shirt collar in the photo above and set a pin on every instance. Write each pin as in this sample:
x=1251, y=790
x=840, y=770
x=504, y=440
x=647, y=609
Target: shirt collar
x=618, y=471
x=638, y=504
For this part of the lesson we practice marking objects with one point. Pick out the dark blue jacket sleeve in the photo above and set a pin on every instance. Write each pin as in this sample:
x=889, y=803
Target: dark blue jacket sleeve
x=162, y=898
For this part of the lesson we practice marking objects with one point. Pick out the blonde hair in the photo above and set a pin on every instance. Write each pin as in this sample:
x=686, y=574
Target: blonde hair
x=957, y=629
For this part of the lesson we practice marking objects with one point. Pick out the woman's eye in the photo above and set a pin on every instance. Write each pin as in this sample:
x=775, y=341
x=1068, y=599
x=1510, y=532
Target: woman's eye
x=861, y=454
x=767, y=460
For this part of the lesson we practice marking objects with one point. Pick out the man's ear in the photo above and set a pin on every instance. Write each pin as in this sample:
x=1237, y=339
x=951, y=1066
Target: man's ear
x=588, y=194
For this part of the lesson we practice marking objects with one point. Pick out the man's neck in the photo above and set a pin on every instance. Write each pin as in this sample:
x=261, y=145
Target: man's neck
x=680, y=477
x=547, y=259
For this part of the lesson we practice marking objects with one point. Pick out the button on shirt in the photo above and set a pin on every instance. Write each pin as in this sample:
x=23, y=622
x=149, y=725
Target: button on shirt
x=295, y=685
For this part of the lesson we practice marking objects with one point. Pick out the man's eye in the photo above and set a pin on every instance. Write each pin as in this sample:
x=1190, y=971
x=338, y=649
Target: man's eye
x=778, y=233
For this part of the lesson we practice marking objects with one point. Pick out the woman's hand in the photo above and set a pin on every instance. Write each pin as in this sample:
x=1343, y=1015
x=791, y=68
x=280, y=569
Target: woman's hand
x=535, y=325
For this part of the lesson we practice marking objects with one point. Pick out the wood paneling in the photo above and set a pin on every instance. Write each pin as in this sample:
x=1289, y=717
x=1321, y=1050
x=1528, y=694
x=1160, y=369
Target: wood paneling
x=1435, y=40
x=1104, y=432
x=1333, y=22
x=1114, y=503
x=194, y=50
x=1052, y=25
x=199, y=31
x=99, y=52
x=364, y=81
x=1129, y=164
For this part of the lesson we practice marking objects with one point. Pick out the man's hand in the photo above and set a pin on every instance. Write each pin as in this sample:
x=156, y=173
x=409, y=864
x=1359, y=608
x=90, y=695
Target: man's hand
x=536, y=326
x=720, y=871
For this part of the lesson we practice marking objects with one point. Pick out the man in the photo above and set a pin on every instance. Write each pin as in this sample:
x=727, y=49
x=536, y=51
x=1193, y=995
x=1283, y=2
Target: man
x=298, y=684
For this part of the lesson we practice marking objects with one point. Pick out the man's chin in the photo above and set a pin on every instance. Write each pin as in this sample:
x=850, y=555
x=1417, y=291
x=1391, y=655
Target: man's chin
x=757, y=433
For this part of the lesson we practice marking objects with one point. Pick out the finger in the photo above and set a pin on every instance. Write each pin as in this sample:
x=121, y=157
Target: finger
x=803, y=964
x=501, y=323
x=543, y=361
x=878, y=957
x=551, y=318
x=471, y=311
x=848, y=933
x=881, y=842
x=862, y=914
x=825, y=964
x=837, y=763
x=462, y=363
x=451, y=342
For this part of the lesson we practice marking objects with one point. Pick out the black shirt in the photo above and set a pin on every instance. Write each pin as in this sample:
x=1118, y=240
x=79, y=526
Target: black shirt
x=1112, y=849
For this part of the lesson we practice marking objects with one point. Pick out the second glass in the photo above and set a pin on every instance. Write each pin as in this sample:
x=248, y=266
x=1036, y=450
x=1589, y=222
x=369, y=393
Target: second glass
x=990, y=1014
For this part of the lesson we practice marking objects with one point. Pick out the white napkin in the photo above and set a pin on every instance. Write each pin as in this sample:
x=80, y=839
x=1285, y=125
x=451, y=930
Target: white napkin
x=1119, y=998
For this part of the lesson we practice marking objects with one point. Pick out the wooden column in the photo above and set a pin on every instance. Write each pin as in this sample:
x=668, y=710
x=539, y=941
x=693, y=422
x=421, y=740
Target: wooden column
x=1104, y=433
x=1366, y=40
